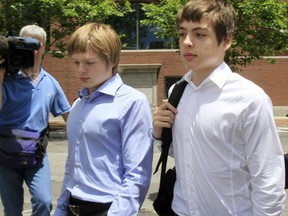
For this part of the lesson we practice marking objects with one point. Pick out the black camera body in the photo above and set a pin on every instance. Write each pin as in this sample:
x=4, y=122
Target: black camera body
x=18, y=52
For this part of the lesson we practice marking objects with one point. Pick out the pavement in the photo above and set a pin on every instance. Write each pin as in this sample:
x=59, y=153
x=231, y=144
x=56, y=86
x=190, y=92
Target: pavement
x=57, y=151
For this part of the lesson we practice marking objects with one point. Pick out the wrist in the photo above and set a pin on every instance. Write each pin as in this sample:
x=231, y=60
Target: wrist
x=155, y=138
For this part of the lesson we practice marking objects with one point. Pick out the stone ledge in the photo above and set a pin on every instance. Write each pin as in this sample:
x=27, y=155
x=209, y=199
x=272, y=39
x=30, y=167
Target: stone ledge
x=57, y=124
x=281, y=121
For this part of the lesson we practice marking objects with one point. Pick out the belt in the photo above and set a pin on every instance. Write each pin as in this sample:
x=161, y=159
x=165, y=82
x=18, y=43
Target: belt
x=82, y=208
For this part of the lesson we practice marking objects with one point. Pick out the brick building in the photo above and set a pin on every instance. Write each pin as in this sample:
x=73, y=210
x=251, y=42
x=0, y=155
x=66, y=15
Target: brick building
x=151, y=71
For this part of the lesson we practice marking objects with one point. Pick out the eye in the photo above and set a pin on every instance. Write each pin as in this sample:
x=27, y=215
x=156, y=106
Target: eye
x=90, y=63
x=181, y=34
x=200, y=35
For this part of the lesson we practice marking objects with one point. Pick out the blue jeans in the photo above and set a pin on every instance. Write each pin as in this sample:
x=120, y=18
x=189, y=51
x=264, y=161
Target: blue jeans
x=38, y=180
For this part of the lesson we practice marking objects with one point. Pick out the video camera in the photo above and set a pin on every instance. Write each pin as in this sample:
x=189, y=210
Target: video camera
x=18, y=52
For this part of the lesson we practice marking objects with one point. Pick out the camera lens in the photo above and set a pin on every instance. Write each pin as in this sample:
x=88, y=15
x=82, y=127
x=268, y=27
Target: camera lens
x=20, y=59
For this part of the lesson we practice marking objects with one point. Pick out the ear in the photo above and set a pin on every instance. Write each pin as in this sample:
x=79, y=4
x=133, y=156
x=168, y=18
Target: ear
x=227, y=41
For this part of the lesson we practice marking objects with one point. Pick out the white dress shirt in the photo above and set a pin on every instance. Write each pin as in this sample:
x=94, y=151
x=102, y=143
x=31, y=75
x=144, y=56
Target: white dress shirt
x=228, y=155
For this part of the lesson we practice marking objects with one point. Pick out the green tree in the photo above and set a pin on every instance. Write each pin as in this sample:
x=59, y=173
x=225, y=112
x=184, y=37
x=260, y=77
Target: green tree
x=58, y=17
x=262, y=27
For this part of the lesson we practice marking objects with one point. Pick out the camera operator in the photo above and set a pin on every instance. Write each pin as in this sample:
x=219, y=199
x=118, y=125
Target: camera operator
x=27, y=99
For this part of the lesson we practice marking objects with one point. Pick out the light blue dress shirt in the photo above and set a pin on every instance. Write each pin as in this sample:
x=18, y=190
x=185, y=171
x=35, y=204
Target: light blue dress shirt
x=110, y=150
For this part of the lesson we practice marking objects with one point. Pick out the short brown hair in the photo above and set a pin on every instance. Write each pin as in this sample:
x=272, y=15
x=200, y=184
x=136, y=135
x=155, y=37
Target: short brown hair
x=220, y=13
x=99, y=38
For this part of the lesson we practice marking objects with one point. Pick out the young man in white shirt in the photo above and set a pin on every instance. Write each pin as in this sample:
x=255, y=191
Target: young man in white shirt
x=228, y=156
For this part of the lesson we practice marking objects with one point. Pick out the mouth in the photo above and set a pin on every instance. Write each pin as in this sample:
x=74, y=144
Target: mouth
x=84, y=79
x=189, y=56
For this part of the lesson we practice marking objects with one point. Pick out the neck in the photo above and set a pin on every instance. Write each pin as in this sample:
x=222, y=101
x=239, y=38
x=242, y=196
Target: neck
x=198, y=77
x=33, y=72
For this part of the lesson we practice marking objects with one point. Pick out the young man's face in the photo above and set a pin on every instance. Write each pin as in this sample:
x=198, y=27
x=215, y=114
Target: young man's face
x=91, y=70
x=199, y=48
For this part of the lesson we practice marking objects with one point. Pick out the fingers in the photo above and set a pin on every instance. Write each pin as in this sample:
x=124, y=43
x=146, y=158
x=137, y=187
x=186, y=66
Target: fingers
x=163, y=117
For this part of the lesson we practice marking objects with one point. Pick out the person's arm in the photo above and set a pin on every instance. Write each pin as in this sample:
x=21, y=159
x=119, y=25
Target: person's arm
x=61, y=105
x=264, y=157
x=137, y=153
x=63, y=200
x=65, y=116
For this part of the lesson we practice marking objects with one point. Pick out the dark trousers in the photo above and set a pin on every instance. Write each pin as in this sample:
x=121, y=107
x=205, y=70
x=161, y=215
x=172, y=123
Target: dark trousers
x=79, y=207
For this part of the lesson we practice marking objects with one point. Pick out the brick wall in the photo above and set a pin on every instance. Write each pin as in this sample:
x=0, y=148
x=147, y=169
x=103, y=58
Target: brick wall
x=271, y=77
x=62, y=70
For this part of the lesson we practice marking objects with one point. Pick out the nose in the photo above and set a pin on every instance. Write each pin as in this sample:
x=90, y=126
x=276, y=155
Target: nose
x=81, y=68
x=187, y=42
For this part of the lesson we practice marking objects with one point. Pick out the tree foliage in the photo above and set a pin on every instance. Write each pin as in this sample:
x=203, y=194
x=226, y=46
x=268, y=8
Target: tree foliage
x=262, y=24
x=58, y=17
x=262, y=27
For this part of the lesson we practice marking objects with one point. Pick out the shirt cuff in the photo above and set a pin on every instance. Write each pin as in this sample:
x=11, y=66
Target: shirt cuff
x=152, y=136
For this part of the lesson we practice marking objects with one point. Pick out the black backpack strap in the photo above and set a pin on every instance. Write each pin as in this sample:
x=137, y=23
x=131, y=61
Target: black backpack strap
x=166, y=135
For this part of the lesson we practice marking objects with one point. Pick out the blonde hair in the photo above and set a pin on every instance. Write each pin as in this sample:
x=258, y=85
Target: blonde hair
x=99, y=38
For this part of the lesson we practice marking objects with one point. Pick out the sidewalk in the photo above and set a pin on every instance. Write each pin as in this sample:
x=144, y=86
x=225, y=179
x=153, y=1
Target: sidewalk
x=57, y=151
x=147, y=208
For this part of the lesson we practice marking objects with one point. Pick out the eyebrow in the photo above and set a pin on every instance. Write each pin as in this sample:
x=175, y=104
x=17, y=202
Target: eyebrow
x=85, y=59
x=194, y=29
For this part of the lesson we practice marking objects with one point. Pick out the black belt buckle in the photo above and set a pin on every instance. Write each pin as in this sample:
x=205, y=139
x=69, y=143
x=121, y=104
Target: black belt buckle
x=75, y=209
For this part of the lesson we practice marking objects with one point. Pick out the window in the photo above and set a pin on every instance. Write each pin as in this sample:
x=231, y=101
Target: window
x=135, y=35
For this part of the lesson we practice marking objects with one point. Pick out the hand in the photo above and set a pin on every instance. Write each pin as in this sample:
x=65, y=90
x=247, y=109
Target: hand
x=163, y=117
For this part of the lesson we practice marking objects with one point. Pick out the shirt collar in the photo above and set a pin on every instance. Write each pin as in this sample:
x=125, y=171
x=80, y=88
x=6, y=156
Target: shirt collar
x=218, y=76
x=21, y=74
x=109, y=87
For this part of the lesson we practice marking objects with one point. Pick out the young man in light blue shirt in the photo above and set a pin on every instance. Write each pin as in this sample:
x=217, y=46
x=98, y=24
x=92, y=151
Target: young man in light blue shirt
x=109, y=164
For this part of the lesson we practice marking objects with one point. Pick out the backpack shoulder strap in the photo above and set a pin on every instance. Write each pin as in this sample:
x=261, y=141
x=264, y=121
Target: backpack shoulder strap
x=166, y=135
